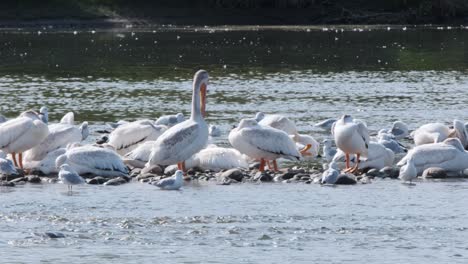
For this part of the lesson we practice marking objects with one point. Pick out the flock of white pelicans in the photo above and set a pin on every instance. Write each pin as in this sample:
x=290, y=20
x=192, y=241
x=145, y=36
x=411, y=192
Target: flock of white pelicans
x=30, y=143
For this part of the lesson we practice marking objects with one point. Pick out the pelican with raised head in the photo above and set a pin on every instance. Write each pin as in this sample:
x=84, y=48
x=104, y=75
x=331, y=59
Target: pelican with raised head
x=183, y=140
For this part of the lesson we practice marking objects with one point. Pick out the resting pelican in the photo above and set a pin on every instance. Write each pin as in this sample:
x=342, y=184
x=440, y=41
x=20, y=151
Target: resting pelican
x=352, y=138
x=217, y=158
x=437, y=132
x=183, y=140
x=127, y=137
x=22, y=133
x=277, y=121
x=60, y=135
x=408, y=172
x=47, y=164
x=69, y=176
x=307, y=145
x=399, y=130
x=117, y=124
x=93, y=160
x=68, y=118
x=448, y=155
x=170, y=120
x=263, y=142
x=326, y=124
x=172, y=183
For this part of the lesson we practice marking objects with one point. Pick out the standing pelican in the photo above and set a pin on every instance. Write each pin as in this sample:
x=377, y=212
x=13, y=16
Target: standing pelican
x=22, y=133
x=183, y=140
x=352, y=138
x=263, y=143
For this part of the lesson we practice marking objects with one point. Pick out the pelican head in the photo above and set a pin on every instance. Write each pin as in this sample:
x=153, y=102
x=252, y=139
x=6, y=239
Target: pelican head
x=200, y=84
x=259, y=116
x=84, y=130
x=44, y=114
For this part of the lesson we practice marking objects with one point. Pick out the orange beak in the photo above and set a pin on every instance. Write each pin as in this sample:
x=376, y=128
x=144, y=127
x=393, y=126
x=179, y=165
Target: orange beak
x=203, y=99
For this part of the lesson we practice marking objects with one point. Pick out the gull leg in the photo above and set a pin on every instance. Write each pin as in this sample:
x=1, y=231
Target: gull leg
x=262, y=165
x=13, y=155
x=275, y=165
x=20, y=160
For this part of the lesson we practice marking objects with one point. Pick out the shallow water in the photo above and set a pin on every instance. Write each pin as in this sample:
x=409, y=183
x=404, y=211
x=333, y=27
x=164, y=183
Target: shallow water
x=417, y=75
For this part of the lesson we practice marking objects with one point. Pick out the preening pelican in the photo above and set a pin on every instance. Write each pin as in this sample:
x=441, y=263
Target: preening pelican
x=378, y=157
x=183, y=140
x=263, y=142
x=170, y=120
x=22, y=133
x=448, y=155
x=352, y=138
x=127, y=137
x=307, y=145
x=93, y=160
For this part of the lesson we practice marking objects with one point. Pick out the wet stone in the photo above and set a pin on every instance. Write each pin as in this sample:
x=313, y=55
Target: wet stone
x=254, y=166
x=7, y=184
x=390, y=172
x=97, y=180
x=135, y=172
x=54, y=235
x=145, y=176
x=19, y=179
x=234, y=174
x=373, y=173
x=33, y=179
x=288, y=175
x=263, y=177
x=464, y=173
x=346, y=179
x=154, y=169
x=434, y=173
x=115, y=181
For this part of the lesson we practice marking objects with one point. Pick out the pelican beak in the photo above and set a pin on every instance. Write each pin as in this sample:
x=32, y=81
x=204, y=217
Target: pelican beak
x=305, y=149
x=203, y=99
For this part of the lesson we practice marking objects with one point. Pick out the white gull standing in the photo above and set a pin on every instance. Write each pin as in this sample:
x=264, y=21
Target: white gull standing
x=69, y=176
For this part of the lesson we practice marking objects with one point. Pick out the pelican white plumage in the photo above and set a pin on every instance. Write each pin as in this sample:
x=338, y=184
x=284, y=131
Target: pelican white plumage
x=378, y=157
x=326, y=124
x=218, y=158
x=6, y=166
x=408, y=172
x=93, y=160
x=140, y=155
x=172, y=183
x=69, y=176
x=307, y=145
x=47, y=164
x=22, y=133
x=277, y=121
x=448, y=155
x=3, y=119
x=60, y=135
x=68, y=118
x=170, y=120
x=437, y=132
x=117, y=124
x=328, y=151
x=127, y=137
x=183, y=140
x=399, y=130
x=263, y=142
x=352, y=138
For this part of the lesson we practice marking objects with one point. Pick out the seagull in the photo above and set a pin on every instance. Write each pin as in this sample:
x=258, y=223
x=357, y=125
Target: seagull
x=408, y=172
x=6, y=166
x=214, y=131
x=170, y=120
x=330, y=176
x=263, y=143
x=328, y=151
x=172, y=183
x=326, y=124
x=389, y=142
x=69, y=176
x=352, y=137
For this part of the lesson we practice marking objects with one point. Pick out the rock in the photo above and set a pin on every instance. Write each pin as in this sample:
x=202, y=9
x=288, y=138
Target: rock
x=116, y=181
x=7, y=184
x=170, y=170
x=33, y=179
x=390, y=172
x=346, y=179
x=98, y=180
x=254, y=166
x=234, y=174
x=373, y=173
x=135, y=172
x=262, y=176
x=434, y=173
x=102, y=140
x=308, y=181
x=187, y=178
x=225, y=181
x=365, y=180
x=146, y=176
x=154, y=169
x=54, y=235
x=19, y=179
x=49, y=180
x=127, y=178
x=278, y=178
x=289, y=175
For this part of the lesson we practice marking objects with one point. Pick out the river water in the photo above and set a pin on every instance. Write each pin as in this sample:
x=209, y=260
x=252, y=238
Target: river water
x=379, y=75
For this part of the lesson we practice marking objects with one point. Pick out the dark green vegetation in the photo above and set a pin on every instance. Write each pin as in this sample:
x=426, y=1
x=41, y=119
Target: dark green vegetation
x=212, y=12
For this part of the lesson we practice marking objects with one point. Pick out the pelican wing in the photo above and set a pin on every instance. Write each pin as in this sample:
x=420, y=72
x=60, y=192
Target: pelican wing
x=176, y=139
x=98, y=158
x=271, y=140
x=68, y=118
x=130, y=134
x=363, y=132
x=14, y=129
x=60, y=135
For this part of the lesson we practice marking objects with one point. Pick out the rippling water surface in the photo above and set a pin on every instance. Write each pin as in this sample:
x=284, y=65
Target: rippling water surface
x=414, y=74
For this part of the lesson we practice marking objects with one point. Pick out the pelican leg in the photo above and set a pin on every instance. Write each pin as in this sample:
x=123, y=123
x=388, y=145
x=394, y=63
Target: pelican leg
x=348, y=168
x=183, y=166
x=13, y=155
x=275, y=165
x=20, y=159
x=356, y=167
x=179, y=166
x=268, y=164
x=262, y=165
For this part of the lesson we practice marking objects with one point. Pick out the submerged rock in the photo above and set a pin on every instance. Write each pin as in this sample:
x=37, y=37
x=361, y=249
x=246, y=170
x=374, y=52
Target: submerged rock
x=234, y=174
x=390, y=172
x=98, y=180
x=263, y=177
x=33, y=179
x=115, y=181
x=7, y=184
x=434, y=173
x=346, y=179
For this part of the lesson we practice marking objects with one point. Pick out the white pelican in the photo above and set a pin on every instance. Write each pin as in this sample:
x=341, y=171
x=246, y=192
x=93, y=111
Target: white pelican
x=140, y=155
x=127, y=137
x=183, y=140
x=69, y=176
x=408, y=172
x=22, y=133
x=170, y=120
x=277, y=121
x=378, y=157
x=93, y=160
x=117, y=124
x=389, y=142
x=399, y=130
x=437, y=132
x=172, y=183
x=6, y=166
x=47, y=164
x=326, y=124
x=328, y=151
x=352, y=138
x=307, y=145
x=263, y=142
x=330, y=175
x=448, y=155
x=60, y=135
x=218, y=158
